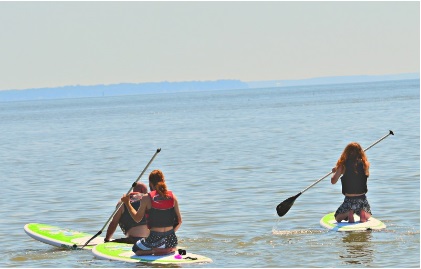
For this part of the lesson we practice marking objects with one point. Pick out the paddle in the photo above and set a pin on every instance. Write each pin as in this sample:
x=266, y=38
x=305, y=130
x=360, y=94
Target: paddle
x=285, y=206
x=120, y=204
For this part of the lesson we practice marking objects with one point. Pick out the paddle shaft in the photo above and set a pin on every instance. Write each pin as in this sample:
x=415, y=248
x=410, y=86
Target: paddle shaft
x=120, y=204
x=372, y=145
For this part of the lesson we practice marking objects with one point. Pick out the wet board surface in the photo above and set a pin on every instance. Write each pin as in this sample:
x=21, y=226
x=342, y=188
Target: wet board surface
x=60, y=237
x=123, y=252
x=329, y=222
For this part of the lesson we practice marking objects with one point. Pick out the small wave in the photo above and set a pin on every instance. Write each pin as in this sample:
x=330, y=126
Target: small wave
x=292, y=232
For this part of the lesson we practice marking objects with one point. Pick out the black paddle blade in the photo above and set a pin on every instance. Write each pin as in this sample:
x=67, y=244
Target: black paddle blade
x=87, y=242
x=284, y=207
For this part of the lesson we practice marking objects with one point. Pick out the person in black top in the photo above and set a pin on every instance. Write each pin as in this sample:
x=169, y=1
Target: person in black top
x=354, y=168
x=133, y=230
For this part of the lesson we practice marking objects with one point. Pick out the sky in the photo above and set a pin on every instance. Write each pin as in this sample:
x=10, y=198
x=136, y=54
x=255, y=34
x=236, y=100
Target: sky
x=53, y=44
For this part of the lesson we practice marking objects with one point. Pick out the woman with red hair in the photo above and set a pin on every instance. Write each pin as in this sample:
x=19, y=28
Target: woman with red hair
x=164, y=217
x=354, y=168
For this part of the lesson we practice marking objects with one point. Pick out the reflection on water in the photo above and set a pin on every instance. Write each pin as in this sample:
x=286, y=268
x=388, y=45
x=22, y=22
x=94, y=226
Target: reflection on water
x=358, y=248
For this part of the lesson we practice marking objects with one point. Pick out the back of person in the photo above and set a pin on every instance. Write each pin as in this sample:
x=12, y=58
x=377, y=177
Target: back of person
x=354, y=180
x=164, y=217
x=133, y=230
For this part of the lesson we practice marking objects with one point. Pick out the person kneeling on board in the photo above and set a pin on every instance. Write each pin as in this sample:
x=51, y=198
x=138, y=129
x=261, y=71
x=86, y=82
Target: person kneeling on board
x=132, y=229
x=354, y=167
x=164, y=218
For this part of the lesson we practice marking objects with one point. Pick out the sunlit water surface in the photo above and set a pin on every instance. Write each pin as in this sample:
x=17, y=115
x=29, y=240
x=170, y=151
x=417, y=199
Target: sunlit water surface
x=231, y=157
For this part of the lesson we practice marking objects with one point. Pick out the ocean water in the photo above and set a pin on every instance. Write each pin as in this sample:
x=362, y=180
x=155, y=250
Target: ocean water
x=231, y=157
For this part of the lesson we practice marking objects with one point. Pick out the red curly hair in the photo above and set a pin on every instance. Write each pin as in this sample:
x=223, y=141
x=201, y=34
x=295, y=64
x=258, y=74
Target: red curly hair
x=354, y=151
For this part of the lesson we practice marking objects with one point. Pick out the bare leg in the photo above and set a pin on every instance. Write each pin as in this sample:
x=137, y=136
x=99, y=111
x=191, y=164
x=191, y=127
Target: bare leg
x=351, y=216
x=144, y=252
x=156, y=251
x=341, y=217
x=163, y=251
x=364, y=216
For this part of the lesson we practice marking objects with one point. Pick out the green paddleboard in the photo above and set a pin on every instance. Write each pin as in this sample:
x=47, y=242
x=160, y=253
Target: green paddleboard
x=330, y=223
x=60, y=237
x=123, y=252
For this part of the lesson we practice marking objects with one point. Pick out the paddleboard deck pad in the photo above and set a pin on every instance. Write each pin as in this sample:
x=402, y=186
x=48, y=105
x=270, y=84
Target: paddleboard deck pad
x=123, y=252
x=330, y=223
x=60, y=237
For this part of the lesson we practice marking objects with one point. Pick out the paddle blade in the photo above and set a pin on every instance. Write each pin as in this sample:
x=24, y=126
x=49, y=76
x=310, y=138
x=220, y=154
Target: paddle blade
x=87, y=242
x=284, y=207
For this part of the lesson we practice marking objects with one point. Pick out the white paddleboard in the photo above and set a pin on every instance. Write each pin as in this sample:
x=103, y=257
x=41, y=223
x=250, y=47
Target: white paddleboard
x=330, y=223
x=60, y=237
x=123, y=252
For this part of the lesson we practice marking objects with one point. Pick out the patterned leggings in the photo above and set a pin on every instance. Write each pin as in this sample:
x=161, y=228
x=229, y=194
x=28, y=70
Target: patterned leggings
x=356, y=203
x=157, y=240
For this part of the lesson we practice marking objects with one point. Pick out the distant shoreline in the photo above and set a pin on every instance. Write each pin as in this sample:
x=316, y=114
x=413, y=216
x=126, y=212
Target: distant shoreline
x=79, y=91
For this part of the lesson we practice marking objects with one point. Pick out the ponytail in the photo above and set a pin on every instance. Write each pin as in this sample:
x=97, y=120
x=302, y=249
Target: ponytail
x=156, y=178
x=161, y=188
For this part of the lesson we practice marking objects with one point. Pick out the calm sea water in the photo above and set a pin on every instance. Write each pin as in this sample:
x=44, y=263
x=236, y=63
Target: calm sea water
x=231, y=157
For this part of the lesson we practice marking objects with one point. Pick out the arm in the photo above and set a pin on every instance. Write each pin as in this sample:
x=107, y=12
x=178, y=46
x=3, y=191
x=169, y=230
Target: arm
x=177, y=213
x=113, y=224
x=136, y=215
x=337, y=174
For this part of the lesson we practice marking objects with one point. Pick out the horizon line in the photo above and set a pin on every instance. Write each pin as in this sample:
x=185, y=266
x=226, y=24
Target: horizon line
x=417, y=74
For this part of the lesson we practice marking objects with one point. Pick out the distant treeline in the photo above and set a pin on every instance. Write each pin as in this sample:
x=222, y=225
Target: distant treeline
x=187, y=86
x=118, y=89
x=332, y=80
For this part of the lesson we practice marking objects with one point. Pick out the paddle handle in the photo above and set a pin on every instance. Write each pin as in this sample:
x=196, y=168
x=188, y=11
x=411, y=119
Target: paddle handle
x=369, y=147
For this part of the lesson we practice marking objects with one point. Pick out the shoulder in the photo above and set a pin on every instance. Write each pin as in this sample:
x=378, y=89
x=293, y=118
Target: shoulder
x=171, y=194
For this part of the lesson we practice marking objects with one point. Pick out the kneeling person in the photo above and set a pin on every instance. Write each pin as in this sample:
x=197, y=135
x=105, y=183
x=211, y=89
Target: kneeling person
x=164, y=217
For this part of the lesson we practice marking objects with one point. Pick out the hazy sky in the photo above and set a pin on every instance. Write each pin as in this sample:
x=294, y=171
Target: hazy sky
x=49, y=44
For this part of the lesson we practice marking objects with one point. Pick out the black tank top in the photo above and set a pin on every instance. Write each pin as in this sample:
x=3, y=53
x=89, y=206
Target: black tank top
x=354, y=180
x=126, y=221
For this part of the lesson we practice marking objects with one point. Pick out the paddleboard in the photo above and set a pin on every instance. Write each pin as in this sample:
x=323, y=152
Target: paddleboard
x=123, y=252
x=330, y=223
x=60, y=237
